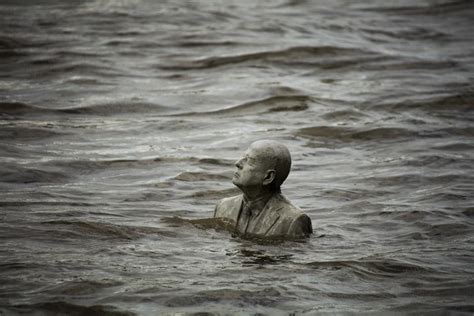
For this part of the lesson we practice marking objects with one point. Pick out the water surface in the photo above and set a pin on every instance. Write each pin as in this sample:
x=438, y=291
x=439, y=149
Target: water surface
x=120, y=122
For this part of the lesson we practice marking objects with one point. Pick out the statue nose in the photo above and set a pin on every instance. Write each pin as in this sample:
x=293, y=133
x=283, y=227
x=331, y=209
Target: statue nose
x=238, y=163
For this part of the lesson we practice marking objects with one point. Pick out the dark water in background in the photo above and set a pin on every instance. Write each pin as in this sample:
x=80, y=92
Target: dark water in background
x=121, y=119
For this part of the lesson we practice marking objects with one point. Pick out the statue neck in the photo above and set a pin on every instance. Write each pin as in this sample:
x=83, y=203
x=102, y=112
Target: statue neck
x=256, y=195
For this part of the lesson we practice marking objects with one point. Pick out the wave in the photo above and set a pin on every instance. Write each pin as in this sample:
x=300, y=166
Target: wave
x=425, y=10
x=347, y=134
x=91, y=166
x=447, y=230
x=344, y=115
x=63, y=204
x=115, y=108
x=469, y=212
x=83, y=287
x=416, y=179
x=66, y=308
x=434, y=161
x=413, y=33
x=76, y=68
x=372, y=267
x=458, y=131
x=101, y=109
x=462, y=101
x=262, y=297
x=455, y=146
x=351, y=134
x=217, y=162
x=202, y=223
x=27, y=133
x=194, y=43
x=438, y=307
x=409, y=216
x=350, y=194
x=17, y=46
x=83, y=80
x=202, y=176
x=10, y=173
x=83, y=229
x=18, y=108
x=11, y=43
x=16, y=266
x=62, y=53
x=397, y=64
x=361, y=296
x=441, y=198
x=62, y=60
x=271, y=104
x=82, y=166
x=292, y=55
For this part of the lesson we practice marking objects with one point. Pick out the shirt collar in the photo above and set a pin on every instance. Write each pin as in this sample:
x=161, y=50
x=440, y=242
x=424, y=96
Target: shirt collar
x=257, y=205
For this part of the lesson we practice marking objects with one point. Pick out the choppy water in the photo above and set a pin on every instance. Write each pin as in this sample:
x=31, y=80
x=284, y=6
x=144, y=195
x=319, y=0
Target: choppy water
x=120, y=122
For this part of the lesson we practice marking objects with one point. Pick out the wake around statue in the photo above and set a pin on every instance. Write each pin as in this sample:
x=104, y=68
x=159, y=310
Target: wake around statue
x=262, y=211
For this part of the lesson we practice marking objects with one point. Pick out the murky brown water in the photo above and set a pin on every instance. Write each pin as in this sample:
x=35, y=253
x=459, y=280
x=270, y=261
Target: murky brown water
x=120, y=122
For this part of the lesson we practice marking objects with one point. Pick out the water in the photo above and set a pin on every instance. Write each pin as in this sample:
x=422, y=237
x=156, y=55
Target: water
x=120, y=122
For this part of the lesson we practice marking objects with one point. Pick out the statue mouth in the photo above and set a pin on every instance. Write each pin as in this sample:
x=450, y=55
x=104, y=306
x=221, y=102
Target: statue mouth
x=236, y=174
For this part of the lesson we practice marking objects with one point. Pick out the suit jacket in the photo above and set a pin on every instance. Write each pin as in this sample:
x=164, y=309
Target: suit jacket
x=279, y=218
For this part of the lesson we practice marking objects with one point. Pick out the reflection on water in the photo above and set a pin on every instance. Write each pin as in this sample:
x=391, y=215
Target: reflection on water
x=260, y=257
x=120, y=122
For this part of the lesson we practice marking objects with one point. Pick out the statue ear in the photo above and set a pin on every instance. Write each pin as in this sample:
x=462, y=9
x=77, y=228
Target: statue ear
x=269, y=177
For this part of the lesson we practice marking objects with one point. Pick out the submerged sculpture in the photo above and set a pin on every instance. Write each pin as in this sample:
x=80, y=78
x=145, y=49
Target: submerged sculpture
x=262, y=210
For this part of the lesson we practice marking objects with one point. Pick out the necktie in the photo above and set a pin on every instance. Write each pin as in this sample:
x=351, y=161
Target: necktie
x=245, y=217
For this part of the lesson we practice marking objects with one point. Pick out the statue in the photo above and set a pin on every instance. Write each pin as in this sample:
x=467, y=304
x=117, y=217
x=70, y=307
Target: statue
x=262, y=211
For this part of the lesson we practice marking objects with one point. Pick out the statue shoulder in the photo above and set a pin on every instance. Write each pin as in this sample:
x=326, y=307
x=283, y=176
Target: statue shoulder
x=299, y=224
x=229, y=200
x=288, y=209
x=227, y=205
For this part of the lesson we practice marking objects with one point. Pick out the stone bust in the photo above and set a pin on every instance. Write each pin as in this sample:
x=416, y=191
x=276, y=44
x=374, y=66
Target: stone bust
x=261, y=210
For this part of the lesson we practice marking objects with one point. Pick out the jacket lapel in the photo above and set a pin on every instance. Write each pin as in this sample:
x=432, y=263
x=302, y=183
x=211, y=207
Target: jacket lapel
x=236, y=208
x=267, y=218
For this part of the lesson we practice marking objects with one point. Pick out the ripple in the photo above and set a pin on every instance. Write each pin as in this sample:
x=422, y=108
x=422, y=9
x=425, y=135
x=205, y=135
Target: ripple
x=417, y=179
x=426, y=9
x=372, y=267
x=202, y=176
x=48, y=68
x=18, y=108
x=116, y=108
x=202, y=223
x=347, y=134
x=449, y=230
x=100, y=109
x=345, y=115
x=271, y=104
x=264, y=297
x=462, y=101
x=10, y=173
x=90, y=166
x=65, y=308
x=293, y=55
x=80, y=229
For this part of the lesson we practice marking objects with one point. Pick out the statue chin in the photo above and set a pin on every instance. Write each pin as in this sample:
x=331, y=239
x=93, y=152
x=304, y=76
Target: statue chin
x=235, y=181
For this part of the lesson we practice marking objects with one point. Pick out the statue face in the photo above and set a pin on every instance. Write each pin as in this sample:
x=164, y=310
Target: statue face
x=251, y=170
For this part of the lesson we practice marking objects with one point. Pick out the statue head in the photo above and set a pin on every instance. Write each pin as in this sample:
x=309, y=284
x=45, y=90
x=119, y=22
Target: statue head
x=264, y=167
